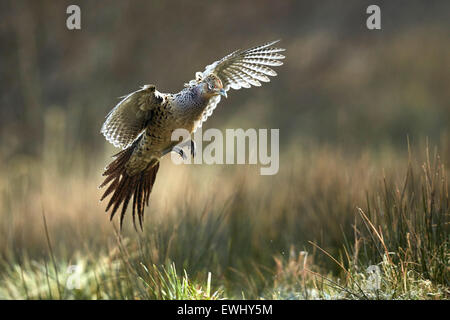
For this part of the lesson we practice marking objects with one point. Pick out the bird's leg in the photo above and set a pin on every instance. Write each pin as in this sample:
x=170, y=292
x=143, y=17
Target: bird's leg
x=179, y=150
x=193, y=148
x=191, y=144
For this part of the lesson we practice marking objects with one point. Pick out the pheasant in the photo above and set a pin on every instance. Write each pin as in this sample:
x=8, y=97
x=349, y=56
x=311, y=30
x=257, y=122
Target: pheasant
x=143, y=121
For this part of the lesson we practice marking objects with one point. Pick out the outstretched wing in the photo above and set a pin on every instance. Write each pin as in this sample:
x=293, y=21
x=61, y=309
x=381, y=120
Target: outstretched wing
x=129, y=117
x=246, y=68
x=241, y=69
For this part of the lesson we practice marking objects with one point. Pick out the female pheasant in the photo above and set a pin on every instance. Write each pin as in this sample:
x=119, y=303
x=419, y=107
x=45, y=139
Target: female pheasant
x=142, y=123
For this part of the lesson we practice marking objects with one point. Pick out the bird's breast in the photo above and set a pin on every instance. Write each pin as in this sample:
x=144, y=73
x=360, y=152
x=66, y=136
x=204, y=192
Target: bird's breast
x=188, y=108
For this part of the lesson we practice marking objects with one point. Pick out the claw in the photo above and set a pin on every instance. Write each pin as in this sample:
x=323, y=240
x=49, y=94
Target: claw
x=179, y=151
x=193, y=148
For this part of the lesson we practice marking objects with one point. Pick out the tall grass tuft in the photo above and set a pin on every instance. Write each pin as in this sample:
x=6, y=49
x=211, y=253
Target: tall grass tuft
x=408, y=224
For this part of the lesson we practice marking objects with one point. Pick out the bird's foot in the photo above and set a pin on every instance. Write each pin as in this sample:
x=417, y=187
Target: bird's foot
x=192, y=146
x=179, y=150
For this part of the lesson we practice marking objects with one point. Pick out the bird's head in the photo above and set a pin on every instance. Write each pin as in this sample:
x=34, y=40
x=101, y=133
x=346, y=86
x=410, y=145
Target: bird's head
x=213, y=86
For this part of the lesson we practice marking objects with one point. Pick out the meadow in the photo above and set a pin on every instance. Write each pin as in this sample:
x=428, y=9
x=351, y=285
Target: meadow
x=331, y=225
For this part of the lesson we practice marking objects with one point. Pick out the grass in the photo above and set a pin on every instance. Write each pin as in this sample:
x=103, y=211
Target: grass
x=330, y=225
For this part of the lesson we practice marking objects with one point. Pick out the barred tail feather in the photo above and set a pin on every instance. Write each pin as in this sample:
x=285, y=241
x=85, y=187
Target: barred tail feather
x=123, y=186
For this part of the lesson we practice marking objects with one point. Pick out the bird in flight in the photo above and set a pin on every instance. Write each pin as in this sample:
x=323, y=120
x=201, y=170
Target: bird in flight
x=143, y=121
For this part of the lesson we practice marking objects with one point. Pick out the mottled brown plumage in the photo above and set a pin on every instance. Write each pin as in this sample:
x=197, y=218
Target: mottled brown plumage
x=142, y=123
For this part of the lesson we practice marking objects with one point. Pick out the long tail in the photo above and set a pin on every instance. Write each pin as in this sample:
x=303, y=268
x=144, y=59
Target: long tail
x=123, y=186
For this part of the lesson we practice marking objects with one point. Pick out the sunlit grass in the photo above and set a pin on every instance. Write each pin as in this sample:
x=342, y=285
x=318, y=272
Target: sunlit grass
x=330, y=225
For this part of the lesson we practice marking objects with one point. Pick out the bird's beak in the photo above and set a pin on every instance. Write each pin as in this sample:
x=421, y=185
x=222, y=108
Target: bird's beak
x=222, y=92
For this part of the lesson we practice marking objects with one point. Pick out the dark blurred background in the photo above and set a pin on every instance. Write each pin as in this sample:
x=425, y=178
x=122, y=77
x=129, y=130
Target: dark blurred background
x=341, y=83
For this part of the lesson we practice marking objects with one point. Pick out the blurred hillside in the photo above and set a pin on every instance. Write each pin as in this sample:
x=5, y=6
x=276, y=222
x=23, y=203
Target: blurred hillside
x=341, y=83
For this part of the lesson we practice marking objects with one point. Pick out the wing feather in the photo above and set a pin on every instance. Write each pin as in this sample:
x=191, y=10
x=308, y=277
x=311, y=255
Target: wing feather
x=129, y=117
x=242, y=69
x=234, y=68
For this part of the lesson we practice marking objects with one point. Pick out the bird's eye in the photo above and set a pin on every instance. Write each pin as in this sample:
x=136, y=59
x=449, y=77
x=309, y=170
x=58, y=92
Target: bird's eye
x=210, y=86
